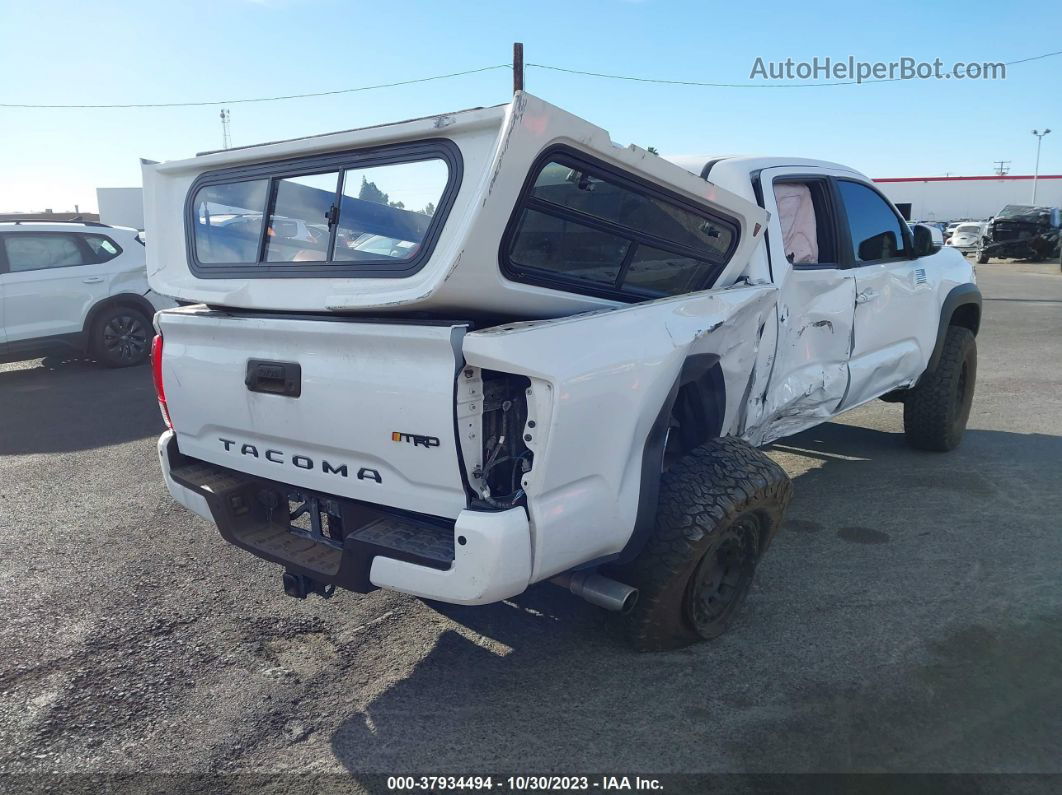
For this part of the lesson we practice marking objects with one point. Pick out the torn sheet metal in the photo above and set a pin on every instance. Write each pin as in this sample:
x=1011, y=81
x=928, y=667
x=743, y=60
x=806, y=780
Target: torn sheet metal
x=809, y=370
x=619, y=365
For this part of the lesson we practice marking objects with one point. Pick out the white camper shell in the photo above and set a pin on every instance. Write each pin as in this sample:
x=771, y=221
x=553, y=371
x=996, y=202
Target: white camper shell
x=463, y=354
x=326, y=248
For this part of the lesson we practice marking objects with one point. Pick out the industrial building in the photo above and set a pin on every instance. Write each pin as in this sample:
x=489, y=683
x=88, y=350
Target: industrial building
x=958, y=198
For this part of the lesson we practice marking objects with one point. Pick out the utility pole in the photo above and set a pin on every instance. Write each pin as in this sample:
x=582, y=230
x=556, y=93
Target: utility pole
x=1036, y=171
x=1002, y=167
x=518, y=66
x=226, y=140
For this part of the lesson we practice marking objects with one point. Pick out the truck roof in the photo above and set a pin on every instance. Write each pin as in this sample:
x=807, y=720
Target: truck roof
x=705, y=165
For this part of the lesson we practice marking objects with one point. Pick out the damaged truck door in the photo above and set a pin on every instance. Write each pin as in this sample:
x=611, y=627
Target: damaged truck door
x=816, y=299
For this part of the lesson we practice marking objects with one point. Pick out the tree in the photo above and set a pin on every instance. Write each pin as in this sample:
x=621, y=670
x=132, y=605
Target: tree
x=370, y=193
x=652, y=150
x=429, y=209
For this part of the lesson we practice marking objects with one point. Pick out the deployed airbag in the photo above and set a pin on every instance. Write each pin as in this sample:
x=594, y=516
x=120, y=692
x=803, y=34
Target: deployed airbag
x=796, y=215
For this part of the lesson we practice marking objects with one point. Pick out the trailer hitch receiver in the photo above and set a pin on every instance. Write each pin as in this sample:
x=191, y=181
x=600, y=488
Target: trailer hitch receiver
x=299, y=586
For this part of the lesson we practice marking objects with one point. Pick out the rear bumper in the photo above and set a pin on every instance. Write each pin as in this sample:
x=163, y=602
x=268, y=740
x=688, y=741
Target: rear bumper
x=491, y=551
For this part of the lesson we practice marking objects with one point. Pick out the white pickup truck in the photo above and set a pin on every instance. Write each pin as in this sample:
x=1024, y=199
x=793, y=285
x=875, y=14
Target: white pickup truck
x=463, y=354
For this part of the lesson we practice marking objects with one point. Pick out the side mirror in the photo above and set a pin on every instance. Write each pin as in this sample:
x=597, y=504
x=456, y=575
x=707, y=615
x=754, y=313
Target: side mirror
x=927, y=240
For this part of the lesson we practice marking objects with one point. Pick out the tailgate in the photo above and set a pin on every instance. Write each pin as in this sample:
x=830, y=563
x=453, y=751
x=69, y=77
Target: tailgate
x=353, y=408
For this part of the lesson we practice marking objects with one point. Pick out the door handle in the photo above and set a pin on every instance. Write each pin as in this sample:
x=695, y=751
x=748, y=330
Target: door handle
x=274, y=378
x=866, y=295
x=92, y=279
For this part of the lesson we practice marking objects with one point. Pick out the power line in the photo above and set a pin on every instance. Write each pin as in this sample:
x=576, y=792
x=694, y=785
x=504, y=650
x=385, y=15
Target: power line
x=664, y=81
x=264, y=99
x=566, y=70
x=702, y=83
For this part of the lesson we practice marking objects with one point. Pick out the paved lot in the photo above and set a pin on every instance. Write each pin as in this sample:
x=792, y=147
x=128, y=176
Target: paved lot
x=909, y=618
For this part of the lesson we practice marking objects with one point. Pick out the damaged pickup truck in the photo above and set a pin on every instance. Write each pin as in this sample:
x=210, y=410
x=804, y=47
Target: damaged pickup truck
x=460, y=355
x=1022, y=232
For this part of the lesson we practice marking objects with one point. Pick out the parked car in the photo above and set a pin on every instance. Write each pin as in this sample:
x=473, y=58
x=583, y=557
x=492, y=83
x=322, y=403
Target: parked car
x=966, y=237
x=78, y=287
x=566, y=378
x=1022, y=231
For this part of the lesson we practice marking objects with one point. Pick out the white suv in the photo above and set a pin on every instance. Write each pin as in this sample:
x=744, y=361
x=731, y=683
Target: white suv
x=75, y=286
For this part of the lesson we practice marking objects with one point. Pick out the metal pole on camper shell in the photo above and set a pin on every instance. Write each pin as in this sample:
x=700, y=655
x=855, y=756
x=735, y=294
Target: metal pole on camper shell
x=518, y=66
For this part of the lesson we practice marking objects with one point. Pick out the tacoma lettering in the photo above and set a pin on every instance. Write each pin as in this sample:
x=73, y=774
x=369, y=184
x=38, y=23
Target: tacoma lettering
x=301, y=461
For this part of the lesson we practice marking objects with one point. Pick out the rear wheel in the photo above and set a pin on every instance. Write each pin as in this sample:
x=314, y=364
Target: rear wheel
x=121, y=337
x=719, y=508
x=982, y=256
x=937, y=409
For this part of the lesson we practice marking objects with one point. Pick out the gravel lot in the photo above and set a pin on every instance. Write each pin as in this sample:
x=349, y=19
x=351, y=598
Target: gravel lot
x=909, y=618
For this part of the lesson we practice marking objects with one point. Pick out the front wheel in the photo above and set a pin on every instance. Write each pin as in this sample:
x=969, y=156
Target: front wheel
x=121, y=337
x=982, y=257
x=937, y=409
x=719, y=508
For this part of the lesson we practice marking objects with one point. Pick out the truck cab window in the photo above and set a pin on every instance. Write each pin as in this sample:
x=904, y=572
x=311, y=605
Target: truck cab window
x=876, y=231
x=798, y=220
x=806, y=219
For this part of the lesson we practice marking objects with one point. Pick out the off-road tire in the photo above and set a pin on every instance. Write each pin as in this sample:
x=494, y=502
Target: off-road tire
x=982, y=257
x=120, y=337
x=719, y=507
x=936, y=410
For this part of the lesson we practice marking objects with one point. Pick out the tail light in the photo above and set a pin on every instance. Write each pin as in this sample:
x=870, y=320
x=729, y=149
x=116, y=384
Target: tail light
x=156, y=374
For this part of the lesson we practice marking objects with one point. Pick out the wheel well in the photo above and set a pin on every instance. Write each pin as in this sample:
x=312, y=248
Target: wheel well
x=129, y=300
x=967, y=316
x=697, y=415
x=694, y=411
x=962, y=307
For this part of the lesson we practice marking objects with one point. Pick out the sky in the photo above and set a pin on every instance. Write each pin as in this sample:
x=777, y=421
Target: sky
x=126, y=51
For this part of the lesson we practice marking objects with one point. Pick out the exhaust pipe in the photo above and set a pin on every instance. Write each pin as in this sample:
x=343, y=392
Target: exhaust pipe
x=599, y=590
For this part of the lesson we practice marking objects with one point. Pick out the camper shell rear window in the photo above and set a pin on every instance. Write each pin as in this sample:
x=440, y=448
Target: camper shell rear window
x=587, y=227
x=367, y=212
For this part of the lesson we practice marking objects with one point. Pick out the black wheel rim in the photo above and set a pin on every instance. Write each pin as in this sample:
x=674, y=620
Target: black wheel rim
x=125, y=338
x=723, y=576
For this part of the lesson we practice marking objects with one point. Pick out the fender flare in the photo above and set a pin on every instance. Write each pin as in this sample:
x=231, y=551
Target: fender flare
x=134, y=300
x=702, y=373
x=960, y=296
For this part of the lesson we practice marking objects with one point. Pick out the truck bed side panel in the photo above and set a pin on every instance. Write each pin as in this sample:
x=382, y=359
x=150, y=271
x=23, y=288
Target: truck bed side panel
x=606, y=376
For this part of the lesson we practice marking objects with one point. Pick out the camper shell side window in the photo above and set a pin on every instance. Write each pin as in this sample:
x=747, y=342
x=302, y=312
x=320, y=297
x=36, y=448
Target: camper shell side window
x=586, y=227
x=368, y=212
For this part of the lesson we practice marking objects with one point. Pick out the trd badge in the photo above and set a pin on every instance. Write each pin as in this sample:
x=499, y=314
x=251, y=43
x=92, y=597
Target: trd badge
x=415, y=439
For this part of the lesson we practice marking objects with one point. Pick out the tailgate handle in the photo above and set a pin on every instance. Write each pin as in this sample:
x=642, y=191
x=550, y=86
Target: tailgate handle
x=274, y=378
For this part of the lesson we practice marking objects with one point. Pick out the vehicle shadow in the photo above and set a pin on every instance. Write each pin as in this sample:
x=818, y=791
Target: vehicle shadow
x=809, y=680
x=64, y=404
